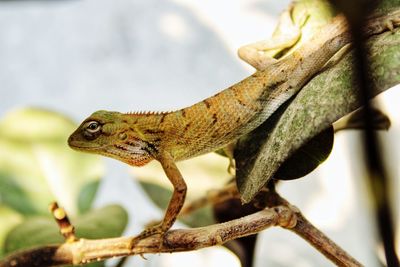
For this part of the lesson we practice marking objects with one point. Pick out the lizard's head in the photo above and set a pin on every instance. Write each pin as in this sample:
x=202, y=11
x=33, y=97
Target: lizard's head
x=109, y=133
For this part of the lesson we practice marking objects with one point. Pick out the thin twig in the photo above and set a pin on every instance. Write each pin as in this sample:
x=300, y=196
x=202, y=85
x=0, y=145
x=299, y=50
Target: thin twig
x=313, y=236
x=61, y=218
x=322, y=243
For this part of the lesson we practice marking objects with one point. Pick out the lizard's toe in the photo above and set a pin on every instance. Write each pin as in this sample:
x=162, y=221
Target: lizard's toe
x=157, y=229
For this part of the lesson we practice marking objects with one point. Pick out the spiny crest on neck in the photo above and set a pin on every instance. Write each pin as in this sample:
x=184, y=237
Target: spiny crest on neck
x=146, y=113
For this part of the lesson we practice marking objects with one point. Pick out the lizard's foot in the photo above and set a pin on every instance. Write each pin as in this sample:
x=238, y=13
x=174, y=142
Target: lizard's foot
x=152, y=223
x=154, y=229
x=263, y=53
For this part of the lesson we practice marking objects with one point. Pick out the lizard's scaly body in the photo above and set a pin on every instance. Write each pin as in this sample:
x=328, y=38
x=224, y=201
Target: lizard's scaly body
x=235, y=111
x=137, y=138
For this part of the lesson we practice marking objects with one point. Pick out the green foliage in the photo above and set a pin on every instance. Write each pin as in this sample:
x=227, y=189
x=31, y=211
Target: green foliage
x=161, y=195
x=86, y=196
x=305, y=159
x=9, y=218
x=108, y=221
x=36, y=168
x=202, y=174
x=158, y=194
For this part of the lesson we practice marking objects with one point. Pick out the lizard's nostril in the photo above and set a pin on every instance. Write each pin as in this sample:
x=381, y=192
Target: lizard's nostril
x=70, y=139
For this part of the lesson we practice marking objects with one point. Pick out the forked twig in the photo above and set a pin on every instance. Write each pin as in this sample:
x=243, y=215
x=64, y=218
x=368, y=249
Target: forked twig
x=85, y=250
x=280, y=212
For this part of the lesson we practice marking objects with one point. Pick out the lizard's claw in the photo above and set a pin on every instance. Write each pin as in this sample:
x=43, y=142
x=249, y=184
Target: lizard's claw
x=155, y=229
x=152, y=223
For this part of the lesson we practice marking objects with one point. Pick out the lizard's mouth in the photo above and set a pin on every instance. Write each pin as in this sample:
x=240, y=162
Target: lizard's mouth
x=130, y=155
x=93, y=149
x=83, y=146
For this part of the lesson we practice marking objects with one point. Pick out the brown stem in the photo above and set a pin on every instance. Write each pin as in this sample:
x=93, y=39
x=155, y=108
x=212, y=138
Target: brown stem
x=322, y=243
x=303, y=228
x=85, y=250
x=313, y=236
x=281, y=213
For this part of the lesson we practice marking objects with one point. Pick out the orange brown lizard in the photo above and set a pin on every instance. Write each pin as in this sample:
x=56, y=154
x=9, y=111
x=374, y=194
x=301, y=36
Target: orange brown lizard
x=168, y=137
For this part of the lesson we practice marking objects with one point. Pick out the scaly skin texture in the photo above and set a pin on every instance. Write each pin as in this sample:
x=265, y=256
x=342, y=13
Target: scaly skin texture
x=137, y=138
x=297, y=25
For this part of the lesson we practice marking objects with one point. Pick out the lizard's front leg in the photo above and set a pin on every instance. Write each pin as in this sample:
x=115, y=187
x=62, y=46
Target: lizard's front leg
x=176, y=202
x=261, y=54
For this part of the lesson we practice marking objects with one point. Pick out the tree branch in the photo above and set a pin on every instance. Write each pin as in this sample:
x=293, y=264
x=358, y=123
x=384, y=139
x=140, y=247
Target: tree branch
x=280, y=212
x=85, y=250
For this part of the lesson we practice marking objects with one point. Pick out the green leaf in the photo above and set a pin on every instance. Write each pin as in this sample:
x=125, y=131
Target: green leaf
x=355, y=120
x=202, y=174
x=325, y=99
x=86, y=196
x=161, y=196
x=32, y=232
x=37, y=166
x=109, y=221
x=308, y=157
x=9, y=219
x=385, y=6
x=201, y=217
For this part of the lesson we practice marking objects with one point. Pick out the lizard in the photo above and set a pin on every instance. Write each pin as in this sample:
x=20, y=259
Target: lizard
x=139, y=137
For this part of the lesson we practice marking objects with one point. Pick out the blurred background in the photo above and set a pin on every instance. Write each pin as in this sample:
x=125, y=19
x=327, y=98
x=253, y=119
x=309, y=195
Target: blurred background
x=75, y=57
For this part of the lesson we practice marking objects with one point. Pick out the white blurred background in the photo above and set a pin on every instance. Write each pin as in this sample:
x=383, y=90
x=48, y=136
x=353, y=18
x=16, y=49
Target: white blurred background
x=77, y=56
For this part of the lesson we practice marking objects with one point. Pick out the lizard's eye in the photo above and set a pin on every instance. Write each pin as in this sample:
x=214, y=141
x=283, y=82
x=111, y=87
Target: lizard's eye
x=93, y=127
